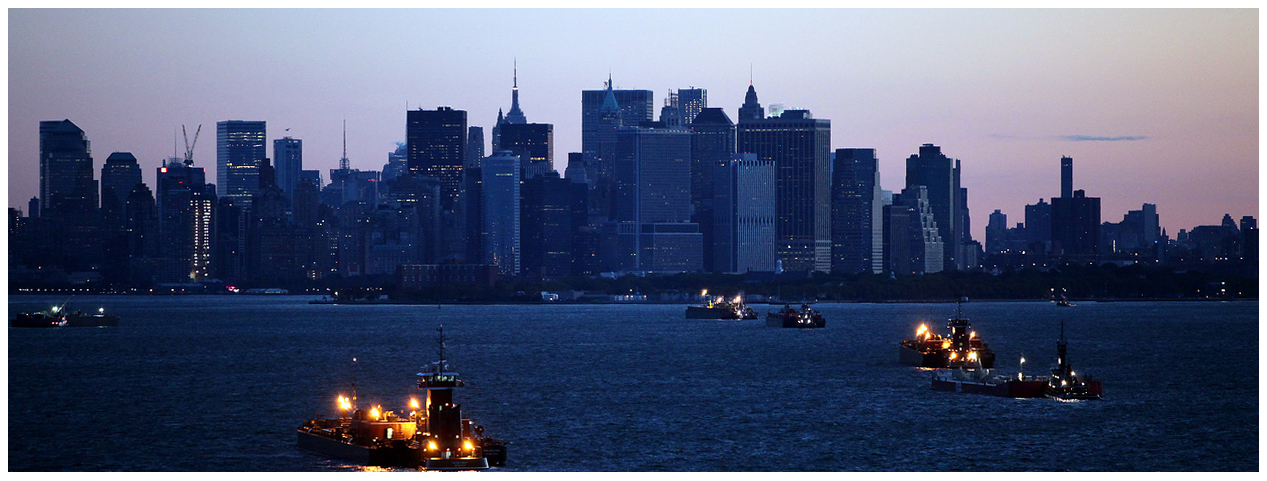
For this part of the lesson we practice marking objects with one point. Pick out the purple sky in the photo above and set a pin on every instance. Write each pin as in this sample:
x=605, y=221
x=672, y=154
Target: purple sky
x=1156, y=106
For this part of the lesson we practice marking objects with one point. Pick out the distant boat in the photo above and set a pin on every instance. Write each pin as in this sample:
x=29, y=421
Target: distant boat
x=720, y=308
x=58, y=317
x=806, y=318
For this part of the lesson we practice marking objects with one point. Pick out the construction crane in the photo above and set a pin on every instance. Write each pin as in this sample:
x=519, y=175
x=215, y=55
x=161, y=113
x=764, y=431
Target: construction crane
x=189, y=147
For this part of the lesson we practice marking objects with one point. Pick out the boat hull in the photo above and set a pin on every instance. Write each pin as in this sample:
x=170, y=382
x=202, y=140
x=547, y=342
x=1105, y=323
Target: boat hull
x=775, y=320
x=36, y=320
x=397, y=454
x=1089, y=391
x=1010, y=389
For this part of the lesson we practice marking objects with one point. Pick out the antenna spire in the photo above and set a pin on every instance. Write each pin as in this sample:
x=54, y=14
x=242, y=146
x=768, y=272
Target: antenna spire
x=343, y=162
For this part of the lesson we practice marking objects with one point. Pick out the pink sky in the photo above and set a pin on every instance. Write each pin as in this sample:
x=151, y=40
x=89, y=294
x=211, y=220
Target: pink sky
x=1156, y=106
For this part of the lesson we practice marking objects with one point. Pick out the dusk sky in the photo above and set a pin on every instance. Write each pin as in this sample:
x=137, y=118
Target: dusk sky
x=1154, y=106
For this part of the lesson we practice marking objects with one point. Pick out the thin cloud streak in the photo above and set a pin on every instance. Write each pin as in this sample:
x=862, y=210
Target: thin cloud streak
x=1086, y=138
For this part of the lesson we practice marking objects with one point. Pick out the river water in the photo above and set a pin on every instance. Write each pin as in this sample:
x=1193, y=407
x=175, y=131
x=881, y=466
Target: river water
x=219, y=383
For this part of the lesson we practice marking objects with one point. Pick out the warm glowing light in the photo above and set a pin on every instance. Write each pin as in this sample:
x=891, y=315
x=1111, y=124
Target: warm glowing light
x=972, y=355
x=101, y=310
x=431, y=445
x=468, y=445
x=345, y=404
x=374, y=412
x=953, y=355
x=705, y=293
x=973, y=335
x=737, y=299
x=945, y=344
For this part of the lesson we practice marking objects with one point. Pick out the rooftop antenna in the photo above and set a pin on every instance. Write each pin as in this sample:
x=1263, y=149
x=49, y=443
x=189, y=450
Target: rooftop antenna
x=750, y=73
x=343, y=162
x=189, y=147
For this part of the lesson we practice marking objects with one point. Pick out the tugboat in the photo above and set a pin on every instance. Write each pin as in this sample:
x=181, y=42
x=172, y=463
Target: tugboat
x=56, y=316
x=720, y=308
x=961, y=349
x=806, y=318
x=434, y=437
x=1066, y=385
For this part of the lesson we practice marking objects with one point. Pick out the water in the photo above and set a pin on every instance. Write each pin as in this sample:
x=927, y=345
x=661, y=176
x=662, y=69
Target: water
x=220, y=383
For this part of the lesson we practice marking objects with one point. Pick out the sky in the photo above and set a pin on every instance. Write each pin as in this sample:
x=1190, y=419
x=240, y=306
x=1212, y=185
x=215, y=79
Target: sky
x=1155, y=106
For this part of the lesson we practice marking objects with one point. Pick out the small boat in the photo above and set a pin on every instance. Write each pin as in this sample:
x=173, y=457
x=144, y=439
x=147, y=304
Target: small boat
x=57, y=316
x=720, y=308
x=433, y=436
x=961, y=349
x=806, y=318
x=1061, y=300
x=1065, y=384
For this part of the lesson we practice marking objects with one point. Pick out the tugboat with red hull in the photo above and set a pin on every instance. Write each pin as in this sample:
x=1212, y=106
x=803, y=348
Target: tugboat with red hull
x=1063, y=384
x=961, y=349
x=434, y=436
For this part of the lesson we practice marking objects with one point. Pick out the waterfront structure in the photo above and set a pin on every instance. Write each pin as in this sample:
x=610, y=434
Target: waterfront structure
x=240, y=151
x=799, y=146
x=940, y=174
x=288, y=162
x=857, y=223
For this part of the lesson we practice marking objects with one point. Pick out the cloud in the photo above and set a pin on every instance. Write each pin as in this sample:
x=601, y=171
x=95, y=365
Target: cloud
x=1082, y=138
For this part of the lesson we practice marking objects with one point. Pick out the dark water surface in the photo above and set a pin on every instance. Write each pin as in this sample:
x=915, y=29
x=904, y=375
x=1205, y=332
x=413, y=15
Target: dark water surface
x=219, y=383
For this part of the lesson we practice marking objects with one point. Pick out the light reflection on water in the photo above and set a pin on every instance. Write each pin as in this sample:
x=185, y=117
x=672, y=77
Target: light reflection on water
x=634, y=388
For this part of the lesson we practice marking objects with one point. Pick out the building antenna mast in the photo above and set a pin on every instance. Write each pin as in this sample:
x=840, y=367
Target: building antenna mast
x=343, y=162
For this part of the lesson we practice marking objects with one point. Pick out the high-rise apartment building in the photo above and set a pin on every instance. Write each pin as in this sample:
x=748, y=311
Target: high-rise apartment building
x=857, y=222
x=437, y=148
x=240, y=150
x=288, y=162
x=799, y=146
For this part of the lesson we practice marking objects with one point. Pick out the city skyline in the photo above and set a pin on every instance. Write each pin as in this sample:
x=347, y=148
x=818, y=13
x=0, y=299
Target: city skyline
x=1154, y=106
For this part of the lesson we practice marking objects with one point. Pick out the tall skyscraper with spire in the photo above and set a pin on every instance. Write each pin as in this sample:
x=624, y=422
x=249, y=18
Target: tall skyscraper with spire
x=515, y=116
x=751, y=109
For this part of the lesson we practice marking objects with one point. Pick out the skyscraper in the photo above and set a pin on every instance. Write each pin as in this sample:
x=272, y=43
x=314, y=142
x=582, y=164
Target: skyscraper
x=67, y=186
x=68, y=193
x=625, y=108
x=799, y=145
x=651, y=209
x=533, y=142
x=1075, y=227
x=1038, y=228
x=1066, y=177
x=940, y=174
x=239, y=152
x=185, y=208
x=751, y=109
x=119, y=175
x=474, y=146
x=743, y=231
x=857, y=212
x=712, y=147
x=500, y=202
x=288, y=161
x=437, y=148
x=691, y=102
